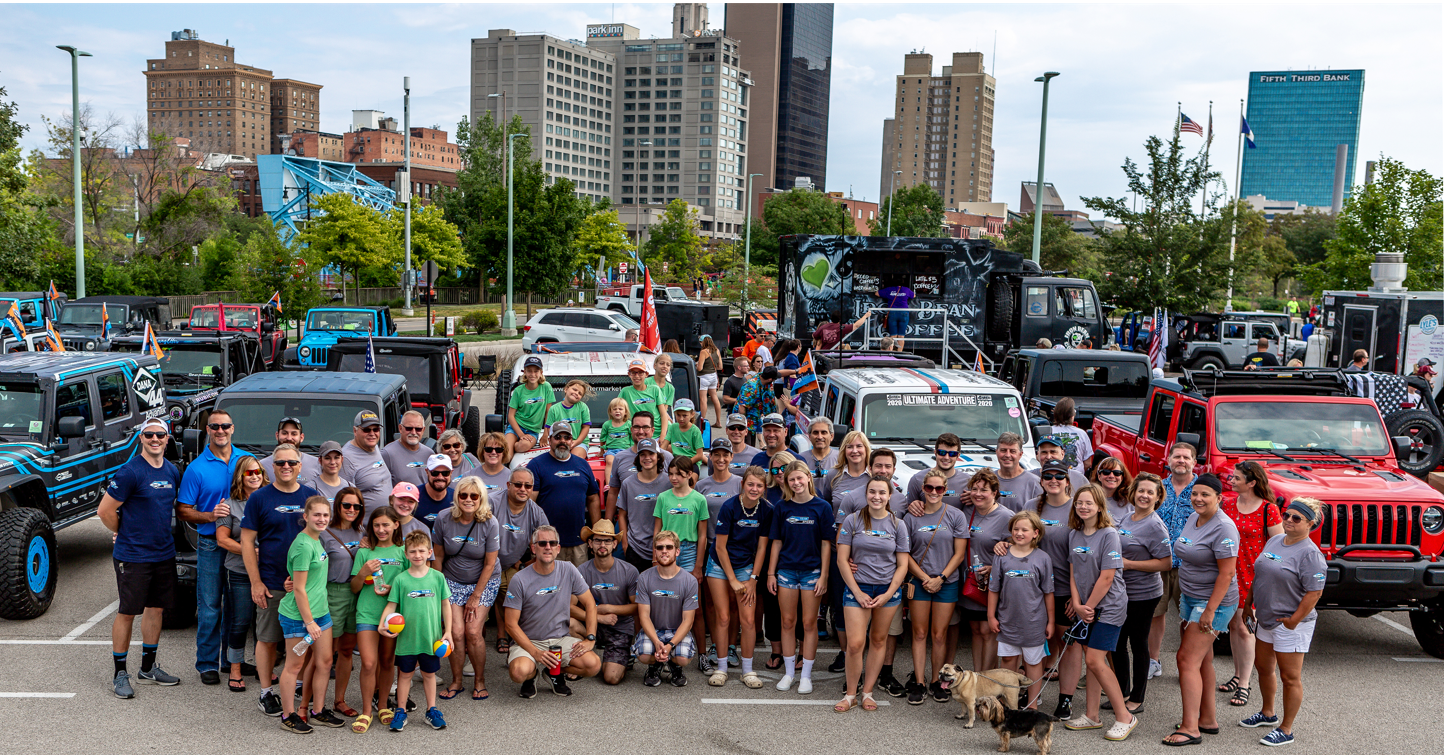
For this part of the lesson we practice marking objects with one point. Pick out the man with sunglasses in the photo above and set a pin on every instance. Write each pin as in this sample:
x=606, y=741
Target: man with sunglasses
x=206, y=483
x=742, y=453
x=437, y=494
x=519, y=518
x=289, y=431
x=406, y=457
x=363, y=463
x=537, y=611
x=666, y=605
x=567, y=491
x=1051, y=448
x=613, y=585
x=137, y=507
x=624, y=464
x=774, y=439
x=947, y=449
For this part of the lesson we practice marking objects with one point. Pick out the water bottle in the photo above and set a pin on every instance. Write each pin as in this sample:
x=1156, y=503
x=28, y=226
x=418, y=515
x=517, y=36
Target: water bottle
x=377, y=579
x=303, y=645
x=978, y=570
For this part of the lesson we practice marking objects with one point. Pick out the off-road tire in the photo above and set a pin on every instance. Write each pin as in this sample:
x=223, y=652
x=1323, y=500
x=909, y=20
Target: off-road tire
x=471, y=429
x=29, y=564
x=1428, y=626
x=1208, y=363
x=1000, y=318
x=1426, y=434
x=503, y=392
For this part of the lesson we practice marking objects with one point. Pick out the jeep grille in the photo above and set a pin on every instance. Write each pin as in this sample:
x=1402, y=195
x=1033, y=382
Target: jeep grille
x=317, y=357
x=1371, y=524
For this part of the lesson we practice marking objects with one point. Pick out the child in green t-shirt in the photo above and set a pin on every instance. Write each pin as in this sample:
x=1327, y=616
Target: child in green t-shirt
x=616, y=431
x=683, y=511
x=420, y=595
x=378, y=652
x=683, y=437
x=642, y=397
x=666, y=392
x=527, y=410
x=573, y=409
x=306, y=617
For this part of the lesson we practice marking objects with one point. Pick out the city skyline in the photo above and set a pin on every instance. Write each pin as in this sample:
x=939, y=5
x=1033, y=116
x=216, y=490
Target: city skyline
x=1111, y=97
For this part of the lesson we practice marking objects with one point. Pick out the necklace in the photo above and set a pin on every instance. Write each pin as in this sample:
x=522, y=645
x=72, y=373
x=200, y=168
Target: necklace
x=753, y=512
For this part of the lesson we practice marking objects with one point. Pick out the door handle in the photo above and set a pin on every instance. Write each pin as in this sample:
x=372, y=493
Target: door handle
x=1145, y=457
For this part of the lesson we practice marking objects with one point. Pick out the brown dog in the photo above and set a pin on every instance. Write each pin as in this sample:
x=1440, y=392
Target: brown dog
x=967, y=687
x=1016, y=723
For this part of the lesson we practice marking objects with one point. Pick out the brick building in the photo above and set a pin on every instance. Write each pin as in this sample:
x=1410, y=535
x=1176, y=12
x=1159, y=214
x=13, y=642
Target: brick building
x=425, y=180
x=295, y=105
x=429, y=147
x=199, y=91
x=318, y=144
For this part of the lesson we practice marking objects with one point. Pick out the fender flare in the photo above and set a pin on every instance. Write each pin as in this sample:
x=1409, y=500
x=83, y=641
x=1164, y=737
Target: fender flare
x=11, y=483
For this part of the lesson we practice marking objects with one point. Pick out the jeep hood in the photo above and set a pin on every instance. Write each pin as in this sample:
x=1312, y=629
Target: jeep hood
x=1344, y=483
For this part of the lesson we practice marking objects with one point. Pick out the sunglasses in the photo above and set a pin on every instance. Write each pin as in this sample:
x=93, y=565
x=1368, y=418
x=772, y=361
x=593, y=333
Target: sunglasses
x=221, y=425
x=154, y=435
x=522, y=485
x=664, y=547
x=1110, y=472
x=287, y=463
x=1296, y=518
x=775, y=470
x=547, y=543
x=468, y=497
x=1055, y=476
x=412, y=429
x=372, y=429
x=491, y=450
x=936, y=488
x=254, y=473
x=450, y=446
x=949, y=454
x=440, y=473
x=351, y=506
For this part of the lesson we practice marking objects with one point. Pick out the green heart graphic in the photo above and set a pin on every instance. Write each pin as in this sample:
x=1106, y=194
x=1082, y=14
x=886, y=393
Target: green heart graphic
x=816, y=273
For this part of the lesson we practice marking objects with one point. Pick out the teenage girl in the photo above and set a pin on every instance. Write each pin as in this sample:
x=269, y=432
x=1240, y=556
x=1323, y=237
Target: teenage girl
x=383, y=553
x=801, y=537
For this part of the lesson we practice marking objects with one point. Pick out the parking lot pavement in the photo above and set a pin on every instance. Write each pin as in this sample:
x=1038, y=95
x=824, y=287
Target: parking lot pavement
x=1368, y=687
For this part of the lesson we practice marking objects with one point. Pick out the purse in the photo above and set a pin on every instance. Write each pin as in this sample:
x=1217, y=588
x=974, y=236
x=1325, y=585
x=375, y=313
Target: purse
x=971, y=590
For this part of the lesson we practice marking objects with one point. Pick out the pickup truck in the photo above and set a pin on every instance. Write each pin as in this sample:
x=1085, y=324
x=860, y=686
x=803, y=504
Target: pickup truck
x=257, y=319
x=1099, y=382
x=629, y=299
x=1383, y=529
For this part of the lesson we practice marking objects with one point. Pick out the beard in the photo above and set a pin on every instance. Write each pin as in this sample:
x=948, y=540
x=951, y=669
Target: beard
x=562, y=454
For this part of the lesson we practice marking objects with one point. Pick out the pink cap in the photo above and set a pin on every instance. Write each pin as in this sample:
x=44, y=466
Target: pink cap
x=406, y=490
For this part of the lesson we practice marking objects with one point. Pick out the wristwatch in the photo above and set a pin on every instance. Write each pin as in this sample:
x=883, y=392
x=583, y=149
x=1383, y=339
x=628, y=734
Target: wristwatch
x=591, y=638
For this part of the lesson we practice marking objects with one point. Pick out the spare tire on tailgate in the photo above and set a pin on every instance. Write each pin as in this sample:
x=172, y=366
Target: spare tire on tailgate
x=1426, y=440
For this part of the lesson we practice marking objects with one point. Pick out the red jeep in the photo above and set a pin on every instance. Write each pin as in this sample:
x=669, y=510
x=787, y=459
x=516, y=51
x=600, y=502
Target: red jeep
x=1383, y=529
x=257, y=319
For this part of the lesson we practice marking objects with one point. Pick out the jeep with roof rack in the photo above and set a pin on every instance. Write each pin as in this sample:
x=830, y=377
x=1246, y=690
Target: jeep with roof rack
x=1383, y=529
x=195, y=366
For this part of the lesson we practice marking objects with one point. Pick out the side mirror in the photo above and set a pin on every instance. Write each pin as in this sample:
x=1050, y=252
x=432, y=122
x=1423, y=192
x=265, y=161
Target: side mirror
x=1401, y=446
x=186, y=325
x=1192, y=439
x=267, y=327
x=468, y=373
x=71, y=427
x=192, y=440
x=493, y=423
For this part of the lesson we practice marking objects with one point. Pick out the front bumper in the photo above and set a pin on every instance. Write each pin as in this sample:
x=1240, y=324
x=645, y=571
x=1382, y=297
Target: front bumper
x=1380, y=583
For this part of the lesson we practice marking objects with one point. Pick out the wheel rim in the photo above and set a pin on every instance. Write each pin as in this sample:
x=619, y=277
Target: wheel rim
x=37, y=562
x=1421, y=444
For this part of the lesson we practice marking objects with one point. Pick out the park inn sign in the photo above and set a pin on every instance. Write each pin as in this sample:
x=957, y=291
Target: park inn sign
x=1293, y=78
x=605, y=30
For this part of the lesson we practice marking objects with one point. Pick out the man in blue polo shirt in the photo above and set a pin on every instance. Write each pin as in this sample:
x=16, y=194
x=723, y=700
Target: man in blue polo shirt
x=207, y=482
x=137, y=507
x=567, y=492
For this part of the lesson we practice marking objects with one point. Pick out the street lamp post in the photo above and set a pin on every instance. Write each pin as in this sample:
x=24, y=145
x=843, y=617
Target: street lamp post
x=406, y=118
x=75, y=56
x=1038, y=190
x=747, y=244
x=504, y=124
x=508, y=316
x=891, y=198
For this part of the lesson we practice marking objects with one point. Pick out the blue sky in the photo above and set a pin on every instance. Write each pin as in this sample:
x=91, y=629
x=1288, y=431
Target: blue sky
x=1125, y=67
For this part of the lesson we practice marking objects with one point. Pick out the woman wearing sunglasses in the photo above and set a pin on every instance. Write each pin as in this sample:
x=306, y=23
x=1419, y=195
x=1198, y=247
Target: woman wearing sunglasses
x=938, y=541
x=1257, y=521
x=1110, y=475
x=1288, y=580
x=342, y=540
x=453, y=444
x=493, y=471
x=240, y=610
x=466, y=539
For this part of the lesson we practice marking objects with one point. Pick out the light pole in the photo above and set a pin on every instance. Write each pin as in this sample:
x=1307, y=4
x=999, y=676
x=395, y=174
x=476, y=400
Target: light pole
x=891, y=196
x=508, y=316
x=1038, y=190
x=637, y=211
x=747, y=244
x=75, y=56
x=504, y=124
x=406, y=124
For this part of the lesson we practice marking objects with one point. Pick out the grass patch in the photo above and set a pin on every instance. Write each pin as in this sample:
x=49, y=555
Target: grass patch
x=468, y=338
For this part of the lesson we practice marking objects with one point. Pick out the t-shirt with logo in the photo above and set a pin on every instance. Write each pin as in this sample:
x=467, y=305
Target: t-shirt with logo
x=855, y=500
x=616, y=437
x=1262, y=359
x=666, y=392
x=420, y=601
x=742, y=526
x=985, y=531
x=207, y=482
x=544, y=600
x=306, y=554
x=562, y=488
x=275, y=517
x=932, y=537
x=515, y=531
x=1281, y=576
x=1118, y=509
x=578, y=414
x=341, y=546
x=368, y=470
x=495, y=484
x=685, y=443
x=1198, y=549
x=1077, y=447
x=613, y=587
x=681, y=514
x=232, y=522
x=875, y=546
x=1143, y=541
x=639, y=500
x=666, y=599
x=428, y=509
x=840, y=481
x=1055, y=543
x=898, y=297
x=531, y=404
x=1091, y=555
x=801, y=526
x=464, y=546
x=820, y=468
x=330, y=491
x=406, y=465
x=717, y=494
x=148, y=496
x=624, y=465
x=1021, y=584
x=1016, y=492
x=644, y=400
x=306, y=474
x=369, y=605
x=953, y=496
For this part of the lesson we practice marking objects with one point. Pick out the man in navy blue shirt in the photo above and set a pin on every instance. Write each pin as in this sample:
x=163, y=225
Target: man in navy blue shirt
x=438, y=494
x=271, y=524
x=137, y=507
x=567, y=492
x=206, y=483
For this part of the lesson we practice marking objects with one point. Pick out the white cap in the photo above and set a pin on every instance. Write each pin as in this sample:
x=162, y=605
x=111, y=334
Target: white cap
x=157, y=422
x=438, y=461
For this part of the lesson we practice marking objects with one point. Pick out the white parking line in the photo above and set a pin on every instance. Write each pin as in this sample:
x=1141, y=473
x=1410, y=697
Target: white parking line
x=83, y=628
x=1390, y=622
x=37, y=694
x=1420, y=660
x=77, y=643
x=738, y=701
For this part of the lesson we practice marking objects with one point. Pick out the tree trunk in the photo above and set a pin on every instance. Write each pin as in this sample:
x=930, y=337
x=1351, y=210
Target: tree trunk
x=528, y=306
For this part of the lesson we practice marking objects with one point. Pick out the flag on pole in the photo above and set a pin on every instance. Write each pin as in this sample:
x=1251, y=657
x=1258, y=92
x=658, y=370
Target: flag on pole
x=651, y=338
x=52, y=293
x=220, y=305
x=1188, y=124
x=370, y=356
x=275, y=301
x=150, y=345
x=1247, y=133
x=978, y=363
x=104, y=322
x=52, y=337
x=806, y=377
x=1209, y=140
x=12, y=319
x=1158, y=339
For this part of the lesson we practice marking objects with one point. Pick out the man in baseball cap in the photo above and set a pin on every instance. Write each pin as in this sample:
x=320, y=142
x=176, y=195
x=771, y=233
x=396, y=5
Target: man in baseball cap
x=437, y=494
x=362, y=462
x=288, y=430
x=567, y=491
x=1050, y=448
x=742, y=453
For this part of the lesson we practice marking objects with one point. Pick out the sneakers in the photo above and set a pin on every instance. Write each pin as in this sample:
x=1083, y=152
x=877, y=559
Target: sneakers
x=804, y=685
x=733, y=659
x=295, y=724
x=839, y=664
x=891, y=686
x=121, y=685
x=679, y=679
x=1259, y=719
x=328, y=719
x=1155, y=668
x=433, y=717
x=785, y=683
x=917, y=693
x=718, y=679
x=559, y=685
x=1277, y=738
x=398, y=721
x=1064, y=711
x=528, y=689
x=270, y=704
x=157, y=675
x=653, y=677
x=706, y=664
x=939, y=694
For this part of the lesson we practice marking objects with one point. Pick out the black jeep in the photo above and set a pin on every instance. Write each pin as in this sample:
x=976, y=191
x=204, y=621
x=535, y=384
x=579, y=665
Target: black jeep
x=434, y=374
x=195, y=367
x=81, y=322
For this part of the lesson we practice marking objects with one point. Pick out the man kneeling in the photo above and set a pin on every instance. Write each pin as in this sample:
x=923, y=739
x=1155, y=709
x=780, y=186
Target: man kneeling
x=538, y=602
x=666, y=603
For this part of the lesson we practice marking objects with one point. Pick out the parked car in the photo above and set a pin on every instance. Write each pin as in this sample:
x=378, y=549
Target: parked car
x=80, y=323
x=577, y=324
x=195, y=366
x=435, y=378
x=34, y=306
x=257, y=319
x=327, y=325
x=1106, y=382
x=1223, y=342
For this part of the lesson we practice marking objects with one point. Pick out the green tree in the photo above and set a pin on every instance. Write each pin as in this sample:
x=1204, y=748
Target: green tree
x=602, y=239
x=1304, y=235
x=765, y=248
x=351, y=236
x=433, y=237
x=673, y=244
x=219, y=261
x=1399, y=212
x=801, y=211
x=265, y=266
x=27, y=233
x=760, y=287
x=916, y=211
x=1062, y=249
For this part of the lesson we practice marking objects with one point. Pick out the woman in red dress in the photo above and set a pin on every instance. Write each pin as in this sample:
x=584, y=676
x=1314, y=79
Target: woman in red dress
x=1257, y=519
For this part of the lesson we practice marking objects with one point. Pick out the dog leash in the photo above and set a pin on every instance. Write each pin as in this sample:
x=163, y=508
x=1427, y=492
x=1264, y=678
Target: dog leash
x=1076, y=633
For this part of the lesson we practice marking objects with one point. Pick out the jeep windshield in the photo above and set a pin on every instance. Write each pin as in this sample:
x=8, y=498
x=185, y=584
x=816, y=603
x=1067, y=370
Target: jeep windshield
x=415, y=368
x=89, y=315
x=1300, y=426
x=20, y=405
x=240, y=318
x=335, y=319
x=607, y=387
x=323, y=417
x=925, y=416
x=182, y=363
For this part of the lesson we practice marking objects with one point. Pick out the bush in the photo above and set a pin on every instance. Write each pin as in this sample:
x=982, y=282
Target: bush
x=479, y=321
x=1269, y=304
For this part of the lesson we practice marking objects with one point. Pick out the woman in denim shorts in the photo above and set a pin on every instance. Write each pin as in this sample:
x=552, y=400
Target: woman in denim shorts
x=877, y=542
x=742, y=526
x=801, y=538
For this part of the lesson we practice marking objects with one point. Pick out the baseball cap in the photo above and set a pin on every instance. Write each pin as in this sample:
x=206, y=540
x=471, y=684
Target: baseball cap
x=684, y=405
x=637, y=364
x=646, y=444
x=722, y=444
x=1055, y=465
x=532, y=361
x=1425, y=362
x=1051, y=440
x=737, y=420
x=438, y=461
x=328, y=447
x=562, y=426
x=155, y=422
x=773, y=419
x=366, y=418
x=406, y=490
x=288, y=421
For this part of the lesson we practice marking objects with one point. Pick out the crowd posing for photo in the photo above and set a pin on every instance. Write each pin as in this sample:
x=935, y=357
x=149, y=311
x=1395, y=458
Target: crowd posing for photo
x=396, y=555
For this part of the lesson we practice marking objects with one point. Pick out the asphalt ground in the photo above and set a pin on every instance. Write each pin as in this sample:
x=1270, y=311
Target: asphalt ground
x=1368, y=688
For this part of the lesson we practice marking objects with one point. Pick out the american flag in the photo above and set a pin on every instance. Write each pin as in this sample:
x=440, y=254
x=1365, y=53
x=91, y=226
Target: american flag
x=1158, y=340
x=370, y=357
x=1187, y=124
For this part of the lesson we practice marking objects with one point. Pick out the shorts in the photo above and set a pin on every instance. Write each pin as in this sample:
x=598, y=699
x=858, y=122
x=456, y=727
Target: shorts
x=145, y=585
x=1102, y=637
x=684, y=649
x=897, y=323
x=506, y=575
x=1191, y=610
x=567, y=644
x=687, y=556
x=948, y=593
x=1060, y=611
x=428, y=662
x=707, y=381
x=295, y=629
x=614, y=646
x=1285, y=640
x=342, y=603
x=368, y=628
x=1032, y=656
x=972, y=614
x=849, y=599
x=1171, y=592
x=268, y=619
x=895, y=629
x=789, y=579
x=714, y=571
x=460, y=593
x=613, y=451
x=528, y=431
x=576, y=554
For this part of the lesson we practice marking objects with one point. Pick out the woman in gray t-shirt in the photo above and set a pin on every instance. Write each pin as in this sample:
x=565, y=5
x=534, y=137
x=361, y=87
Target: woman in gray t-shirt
x=876, y=542
x=466, y=539
x=939, y=544
x=240, y=610
x=1097, y=596
x=1111, y=475
x=1146, y=553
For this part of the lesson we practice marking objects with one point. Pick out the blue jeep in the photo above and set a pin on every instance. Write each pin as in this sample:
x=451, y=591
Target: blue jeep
x=34, y=308
x=327, y=325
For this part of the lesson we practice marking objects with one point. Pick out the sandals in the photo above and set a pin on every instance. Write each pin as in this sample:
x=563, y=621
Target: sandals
x=1240, y=697
x=236, y=685
x=867, y=702
x=361, y=724
x=1120, y=730
x=751, y=680
x=480, y=693
x=344, y=709
x=384, y=715
x=1232, y=685
x=503, y=645
x=847, y=703
x=1203, y=729
x=450, y=693
x=1188, y=739
x=774, y=663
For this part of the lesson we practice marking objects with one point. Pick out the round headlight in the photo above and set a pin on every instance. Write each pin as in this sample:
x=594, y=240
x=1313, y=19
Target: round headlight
x=90, y=345
x=304, y=351
x=1433, y=520
x=176, y=413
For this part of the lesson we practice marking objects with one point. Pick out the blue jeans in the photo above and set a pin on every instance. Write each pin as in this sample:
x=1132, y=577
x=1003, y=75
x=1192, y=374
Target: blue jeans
x=210, y=576
x=897, y=323
x=240, y=614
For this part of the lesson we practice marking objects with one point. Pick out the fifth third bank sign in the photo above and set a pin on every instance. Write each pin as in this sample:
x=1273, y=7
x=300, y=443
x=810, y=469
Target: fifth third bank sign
x=1299, y=119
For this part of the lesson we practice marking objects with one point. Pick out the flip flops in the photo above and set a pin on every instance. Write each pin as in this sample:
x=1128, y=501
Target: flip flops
x=236, y=685
x=449, y=693
x=1187, y=740
x=480, y=694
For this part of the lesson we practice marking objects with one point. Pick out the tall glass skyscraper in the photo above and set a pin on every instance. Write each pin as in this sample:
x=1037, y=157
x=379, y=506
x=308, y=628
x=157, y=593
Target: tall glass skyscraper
x=1299, y=118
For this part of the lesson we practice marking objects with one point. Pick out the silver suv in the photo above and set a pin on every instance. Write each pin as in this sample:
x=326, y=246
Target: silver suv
x=576, y=325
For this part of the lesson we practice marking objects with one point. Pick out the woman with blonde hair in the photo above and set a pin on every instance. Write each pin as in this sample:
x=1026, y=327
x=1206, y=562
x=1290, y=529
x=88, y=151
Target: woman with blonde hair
x=851, y=471
x=249, y=477
x=466, y=540
x=493, y=472
x=801, y=536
